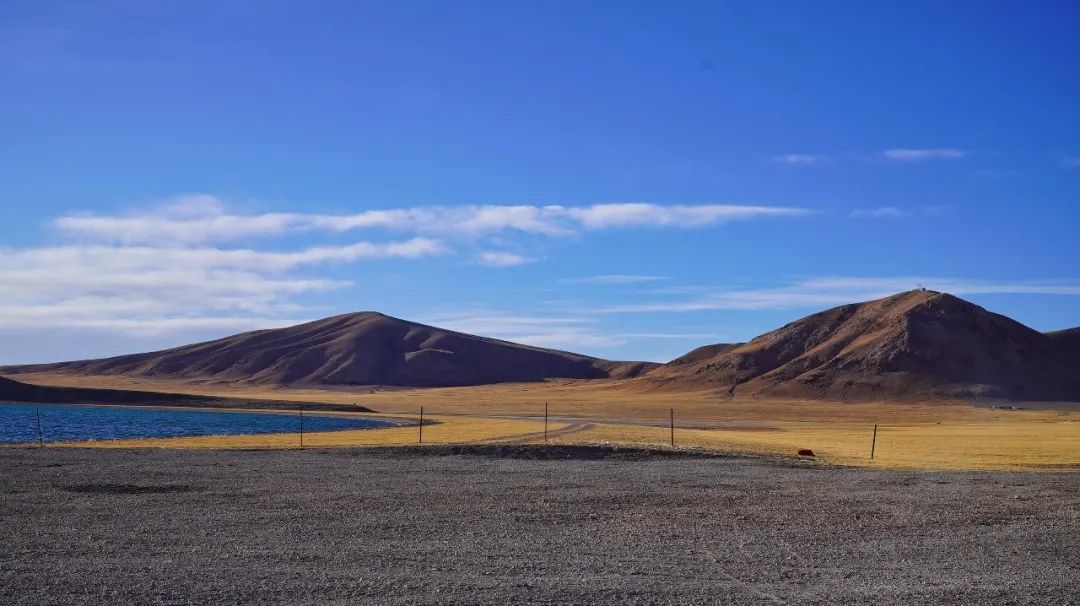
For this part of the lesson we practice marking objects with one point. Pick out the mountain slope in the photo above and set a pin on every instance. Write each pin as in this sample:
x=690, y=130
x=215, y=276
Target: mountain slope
x=1068, y=340
x=365, y=348
x=15, y=391
x=911, y=345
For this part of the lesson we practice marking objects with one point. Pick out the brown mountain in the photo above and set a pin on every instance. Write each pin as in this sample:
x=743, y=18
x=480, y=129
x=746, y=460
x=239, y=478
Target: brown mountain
x=918, y=344
x=16, y=391
x=1068, y=339
x=365, y=348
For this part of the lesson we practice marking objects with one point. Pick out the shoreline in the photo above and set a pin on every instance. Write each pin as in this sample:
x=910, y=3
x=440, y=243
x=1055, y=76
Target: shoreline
x=385, y=422
x=911, y=436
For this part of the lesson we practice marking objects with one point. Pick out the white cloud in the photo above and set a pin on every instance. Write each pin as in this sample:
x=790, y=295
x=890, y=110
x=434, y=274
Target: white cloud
x=881, y=212
x=184, y=219
x=801, y=159
x=892, y=212
x=672, y=335
x=460, y=220
x=829, y=291
x=200, y=219
x=956, y=286
x=571, y=333
x=919, y=155
x=143, y=327
x=178, y=266
x=606, y=216
x=143, y=288
x=614, y=279
x=139, y=256
x=494, y=258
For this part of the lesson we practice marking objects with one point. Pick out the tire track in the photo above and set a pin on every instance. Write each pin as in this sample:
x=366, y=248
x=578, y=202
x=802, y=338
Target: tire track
x=524, y=438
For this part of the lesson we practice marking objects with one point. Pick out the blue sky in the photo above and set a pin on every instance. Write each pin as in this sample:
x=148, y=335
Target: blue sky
x=622, y=179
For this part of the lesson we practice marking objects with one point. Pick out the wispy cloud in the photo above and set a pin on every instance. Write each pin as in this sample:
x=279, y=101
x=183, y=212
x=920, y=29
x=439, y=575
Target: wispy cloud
x=893, y=212
x=828, y=291
x=124, y=258
x=881, y=212
x=190, y=263
x=801, y=159
x=493, y=258
x=921, y=155
x=189, y=219
x=147, y=289
x=673, y=335
x=614, y=279
x=202, y=218
x=170, y=267
x=58, y=318
x=607, y=216
x=563, y=332
x=1073, y=162
x=570, y=332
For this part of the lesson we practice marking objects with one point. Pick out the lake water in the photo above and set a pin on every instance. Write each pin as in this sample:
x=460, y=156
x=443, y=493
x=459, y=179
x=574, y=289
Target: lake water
x=60, y=423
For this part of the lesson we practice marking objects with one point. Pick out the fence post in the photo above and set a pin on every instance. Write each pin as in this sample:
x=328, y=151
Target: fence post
x=421, y=424
x=672, y=427
x=545, y=422
x=40, y=435
x=873, y=443
x=301, y=427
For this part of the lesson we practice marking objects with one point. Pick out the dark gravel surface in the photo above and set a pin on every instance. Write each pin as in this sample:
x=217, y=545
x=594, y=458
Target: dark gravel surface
x=403, y=527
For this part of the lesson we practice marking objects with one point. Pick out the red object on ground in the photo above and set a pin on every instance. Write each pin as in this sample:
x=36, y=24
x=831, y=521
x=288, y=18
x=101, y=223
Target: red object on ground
x=806, y=452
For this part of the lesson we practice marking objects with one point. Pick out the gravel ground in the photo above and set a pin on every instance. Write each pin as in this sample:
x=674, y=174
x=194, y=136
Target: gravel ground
x=522, y=526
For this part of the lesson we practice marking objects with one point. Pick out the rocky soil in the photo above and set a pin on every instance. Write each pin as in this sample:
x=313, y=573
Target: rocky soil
x=523, y=525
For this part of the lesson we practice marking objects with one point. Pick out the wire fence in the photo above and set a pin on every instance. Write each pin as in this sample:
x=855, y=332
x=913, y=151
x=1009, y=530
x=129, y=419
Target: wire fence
x=1005, y=443
x=24, y=424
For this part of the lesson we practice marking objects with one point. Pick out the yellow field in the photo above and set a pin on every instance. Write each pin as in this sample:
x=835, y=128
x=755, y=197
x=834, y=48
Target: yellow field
x=927, y=435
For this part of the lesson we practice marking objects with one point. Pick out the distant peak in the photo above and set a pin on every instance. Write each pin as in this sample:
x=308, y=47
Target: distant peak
x=361, y=315
x=925, y=300
x=351, y=318
x=920, y=292
x=943, y=298
x=917, y=296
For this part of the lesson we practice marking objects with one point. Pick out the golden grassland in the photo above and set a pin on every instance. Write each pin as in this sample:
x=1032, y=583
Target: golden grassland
x=917, y=435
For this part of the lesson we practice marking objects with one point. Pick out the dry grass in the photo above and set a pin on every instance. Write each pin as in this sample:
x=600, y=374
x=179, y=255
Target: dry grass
x=1019, y=444
x=921, y=435
x=442, y=431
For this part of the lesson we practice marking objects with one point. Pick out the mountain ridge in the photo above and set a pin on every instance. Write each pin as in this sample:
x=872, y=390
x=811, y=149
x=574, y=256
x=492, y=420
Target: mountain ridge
x=16, y=391
x=914, y=344
x=360, y=348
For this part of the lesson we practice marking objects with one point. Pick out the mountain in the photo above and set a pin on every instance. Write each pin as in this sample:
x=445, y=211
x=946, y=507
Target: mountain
x=15, y=391
x=365, y=348
x=917, y=344
x=1068, y=339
